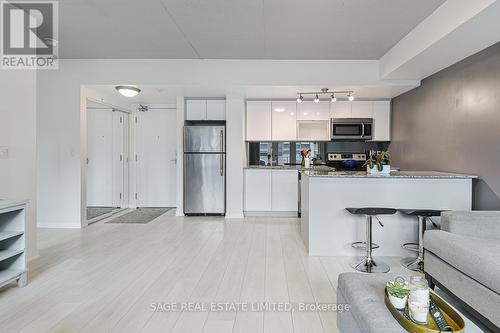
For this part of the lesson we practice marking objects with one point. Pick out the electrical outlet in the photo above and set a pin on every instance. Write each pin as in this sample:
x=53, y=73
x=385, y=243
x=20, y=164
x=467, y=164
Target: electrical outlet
x=4, y=152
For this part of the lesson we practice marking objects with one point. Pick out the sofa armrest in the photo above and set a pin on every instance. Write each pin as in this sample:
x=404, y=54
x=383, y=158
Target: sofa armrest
x=483, y=224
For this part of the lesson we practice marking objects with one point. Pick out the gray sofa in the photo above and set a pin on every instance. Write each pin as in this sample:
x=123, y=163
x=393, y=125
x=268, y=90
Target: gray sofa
x=463, y=259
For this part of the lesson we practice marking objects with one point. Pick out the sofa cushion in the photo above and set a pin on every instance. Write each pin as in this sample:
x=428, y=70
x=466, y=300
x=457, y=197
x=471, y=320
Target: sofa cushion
x=365, y=295
x=476, y=257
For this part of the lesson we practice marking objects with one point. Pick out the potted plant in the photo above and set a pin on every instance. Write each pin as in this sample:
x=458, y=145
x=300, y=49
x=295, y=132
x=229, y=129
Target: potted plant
x=379, y=163
x=398, y=294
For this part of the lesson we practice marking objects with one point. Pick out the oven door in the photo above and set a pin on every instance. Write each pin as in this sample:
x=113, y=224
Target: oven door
x=351, y=129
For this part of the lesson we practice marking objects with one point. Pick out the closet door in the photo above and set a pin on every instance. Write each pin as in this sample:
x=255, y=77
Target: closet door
x=99, y=158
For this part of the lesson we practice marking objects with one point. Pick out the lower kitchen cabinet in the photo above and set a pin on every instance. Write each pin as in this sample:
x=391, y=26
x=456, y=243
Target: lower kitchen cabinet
x=284, y=188
x=271, y=190
x=258, y=190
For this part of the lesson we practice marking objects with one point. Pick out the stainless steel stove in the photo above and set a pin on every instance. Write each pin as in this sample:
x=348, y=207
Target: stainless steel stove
x=346, y=161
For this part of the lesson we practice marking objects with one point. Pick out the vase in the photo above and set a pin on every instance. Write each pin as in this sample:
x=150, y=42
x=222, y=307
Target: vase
x=399, y=303
x=386, y=169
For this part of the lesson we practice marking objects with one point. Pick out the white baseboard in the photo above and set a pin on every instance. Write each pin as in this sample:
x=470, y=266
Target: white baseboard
x=270, y=214
x=58, y=226
x=235, y=216
x=179, y=213
x=36, y=256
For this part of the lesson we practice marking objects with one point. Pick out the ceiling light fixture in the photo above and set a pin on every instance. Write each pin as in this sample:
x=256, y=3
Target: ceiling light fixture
x=333, y=95
x=128, y=91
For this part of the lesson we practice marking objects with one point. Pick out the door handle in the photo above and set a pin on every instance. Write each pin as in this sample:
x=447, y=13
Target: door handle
x=362, y=130
x=221, y=153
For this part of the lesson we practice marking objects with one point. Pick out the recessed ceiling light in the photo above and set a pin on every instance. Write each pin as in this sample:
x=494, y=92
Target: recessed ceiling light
x=351, y=97
x=128, y=91
x=299, y=99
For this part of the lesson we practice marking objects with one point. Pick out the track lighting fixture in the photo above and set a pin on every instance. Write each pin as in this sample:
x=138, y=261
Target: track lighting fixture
x=333, y=95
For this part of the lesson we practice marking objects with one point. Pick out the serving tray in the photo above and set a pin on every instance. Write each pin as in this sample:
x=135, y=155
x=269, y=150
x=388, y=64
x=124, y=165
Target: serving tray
x=452, y=317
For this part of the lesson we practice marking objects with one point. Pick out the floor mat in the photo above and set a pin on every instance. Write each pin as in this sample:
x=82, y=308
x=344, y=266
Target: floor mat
x=140, y=215
x=93, y=212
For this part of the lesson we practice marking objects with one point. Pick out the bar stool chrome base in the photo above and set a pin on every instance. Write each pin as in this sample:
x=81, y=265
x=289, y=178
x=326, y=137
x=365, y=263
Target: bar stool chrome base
x=370, y=266
x=413, y=263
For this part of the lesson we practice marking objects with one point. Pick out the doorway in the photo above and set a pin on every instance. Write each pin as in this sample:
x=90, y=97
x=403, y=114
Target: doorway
x=107, y=142
x=156, y=156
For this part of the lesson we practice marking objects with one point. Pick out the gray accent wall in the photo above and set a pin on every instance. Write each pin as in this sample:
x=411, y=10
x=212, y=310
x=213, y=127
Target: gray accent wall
x=452, y=123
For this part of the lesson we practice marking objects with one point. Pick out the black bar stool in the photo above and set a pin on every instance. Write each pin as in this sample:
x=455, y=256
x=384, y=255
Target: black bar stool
x=368, y=265
x=417, y=263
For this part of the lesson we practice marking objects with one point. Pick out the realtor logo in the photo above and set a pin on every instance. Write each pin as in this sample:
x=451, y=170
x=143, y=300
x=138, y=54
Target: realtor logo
x=29, y=36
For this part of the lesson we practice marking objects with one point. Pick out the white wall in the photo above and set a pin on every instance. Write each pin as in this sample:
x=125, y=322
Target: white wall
x=18, y=133
x=61, y=130
x=235, y=152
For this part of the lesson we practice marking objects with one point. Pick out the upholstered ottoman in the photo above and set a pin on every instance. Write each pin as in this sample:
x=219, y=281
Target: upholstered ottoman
x=367, y=311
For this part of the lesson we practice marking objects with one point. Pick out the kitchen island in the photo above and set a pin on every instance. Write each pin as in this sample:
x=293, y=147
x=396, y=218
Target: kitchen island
x=328, y=229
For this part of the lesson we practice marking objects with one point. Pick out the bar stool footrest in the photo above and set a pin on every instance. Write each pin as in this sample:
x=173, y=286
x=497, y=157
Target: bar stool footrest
x=410, y=246
x=362, y=245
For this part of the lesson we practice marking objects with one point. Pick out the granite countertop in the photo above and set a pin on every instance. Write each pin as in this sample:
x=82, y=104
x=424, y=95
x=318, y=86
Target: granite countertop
x=394, y=174
x=319, y=168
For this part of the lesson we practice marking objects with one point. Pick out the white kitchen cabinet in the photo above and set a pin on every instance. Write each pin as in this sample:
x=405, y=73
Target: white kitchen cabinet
x=258, y=190
x=362, y=109
x=216, y=109
x=340, y=109
x=196, y=109
x=284, y=190
x=201, y=109
x=309, y=110
x=313, y=130
x=259, y=121
x=284, y=120
x=271, y=190
x=381, y=121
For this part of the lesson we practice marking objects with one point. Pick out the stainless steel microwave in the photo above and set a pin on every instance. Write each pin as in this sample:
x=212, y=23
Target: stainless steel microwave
x=351, y=128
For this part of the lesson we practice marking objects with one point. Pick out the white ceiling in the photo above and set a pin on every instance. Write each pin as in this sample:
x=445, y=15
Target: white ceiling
x=236, y=29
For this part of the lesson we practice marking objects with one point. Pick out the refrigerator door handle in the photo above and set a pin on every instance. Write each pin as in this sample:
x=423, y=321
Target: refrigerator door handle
x=222, y=153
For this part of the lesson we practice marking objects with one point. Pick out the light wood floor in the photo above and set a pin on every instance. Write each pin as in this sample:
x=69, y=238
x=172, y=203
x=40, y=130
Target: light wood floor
x=104, y=278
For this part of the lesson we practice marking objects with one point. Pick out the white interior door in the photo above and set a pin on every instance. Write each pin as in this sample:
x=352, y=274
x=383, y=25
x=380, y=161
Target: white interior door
x=119, y=158
x=99, y=158
x=156, y=158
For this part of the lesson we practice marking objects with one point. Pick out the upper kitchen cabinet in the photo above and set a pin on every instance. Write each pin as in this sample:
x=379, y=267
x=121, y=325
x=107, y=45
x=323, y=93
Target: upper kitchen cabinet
x=341, y=109
x=200, y=109
x=259, y=121
x=196, y=109
x=216, y=109
x=362, y=109
x=309, y=110
x=382, y=121
x=284, y=120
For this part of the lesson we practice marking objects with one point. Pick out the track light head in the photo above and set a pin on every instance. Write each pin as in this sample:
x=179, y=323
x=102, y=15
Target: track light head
x=334, y=99
x=299, y=99
x=316, y=99
x=351, y=97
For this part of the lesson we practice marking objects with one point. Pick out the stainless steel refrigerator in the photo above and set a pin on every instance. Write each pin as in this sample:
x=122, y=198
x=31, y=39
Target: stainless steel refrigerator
x=204, y=169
